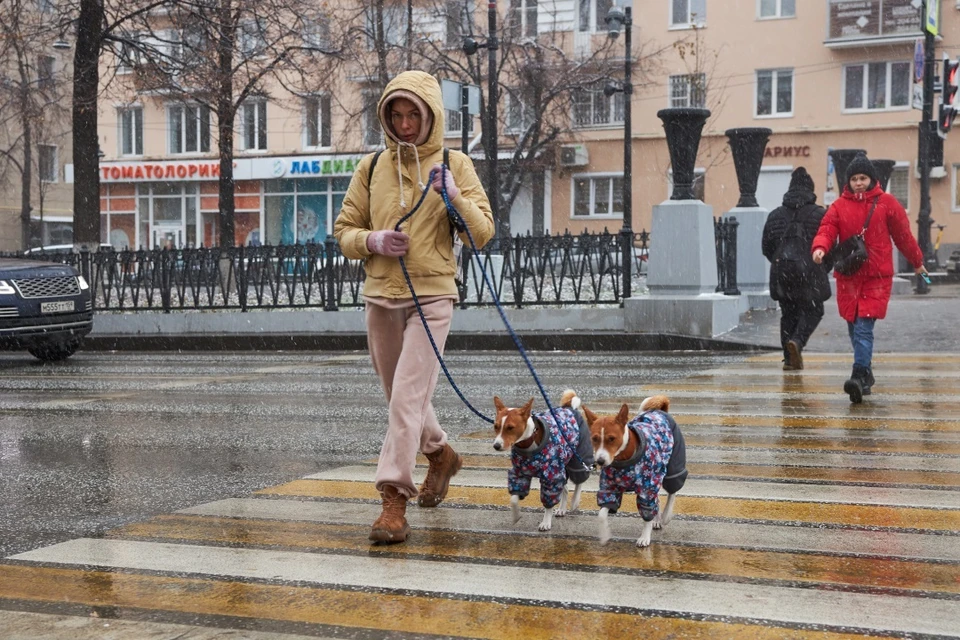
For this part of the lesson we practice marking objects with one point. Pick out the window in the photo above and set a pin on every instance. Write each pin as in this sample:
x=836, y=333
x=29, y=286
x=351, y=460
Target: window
x=688, y=90
x=45, y=72
x=131, y=131
x=519, y=110
x=522, y=20
x=597, y=196
x=687, y=13
x=252, y=40
x=593, y=14
x=48, y=163
x=254, y=126
x=452, y=122
x=47, y=6
x=372, y=132
x=316, y=128
x=776, y=8
x=394, y=26
x=774, y=93
x=189, y=128
x=876, y=86
x=316, y=33
x=591, y=108
x=459, y=21
x=899, y=184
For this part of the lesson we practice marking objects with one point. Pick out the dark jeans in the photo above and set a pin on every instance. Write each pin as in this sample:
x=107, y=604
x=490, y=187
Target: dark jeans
x=798, y=321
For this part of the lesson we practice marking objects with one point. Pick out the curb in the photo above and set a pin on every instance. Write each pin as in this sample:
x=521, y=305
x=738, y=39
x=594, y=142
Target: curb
x=540, y=341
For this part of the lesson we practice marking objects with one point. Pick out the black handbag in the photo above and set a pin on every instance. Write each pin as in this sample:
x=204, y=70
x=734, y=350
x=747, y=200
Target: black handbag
x=851, y=254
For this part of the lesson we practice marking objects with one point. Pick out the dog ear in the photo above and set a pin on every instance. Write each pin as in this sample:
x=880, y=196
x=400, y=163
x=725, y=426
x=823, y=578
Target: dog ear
x=624, y=416
x=498, y=404
x=527, y=408
x=590, y=416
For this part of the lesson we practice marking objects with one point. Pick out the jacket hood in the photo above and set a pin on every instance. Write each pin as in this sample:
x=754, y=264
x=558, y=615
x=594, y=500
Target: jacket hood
x=797, y=198
x=425, y=87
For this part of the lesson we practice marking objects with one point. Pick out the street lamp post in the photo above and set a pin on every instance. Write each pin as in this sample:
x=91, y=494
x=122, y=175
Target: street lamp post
x=618, y=18
x=470, y=47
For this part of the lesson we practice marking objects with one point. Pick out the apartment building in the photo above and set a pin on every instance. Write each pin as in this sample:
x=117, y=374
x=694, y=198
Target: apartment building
x=34, y=123
x=821, y=74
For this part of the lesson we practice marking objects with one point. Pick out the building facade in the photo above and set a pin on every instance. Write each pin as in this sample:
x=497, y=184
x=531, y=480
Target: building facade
x=822, y=74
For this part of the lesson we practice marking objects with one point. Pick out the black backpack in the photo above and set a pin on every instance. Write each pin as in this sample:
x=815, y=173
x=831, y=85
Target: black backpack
x=792, y=261
x=457, y=242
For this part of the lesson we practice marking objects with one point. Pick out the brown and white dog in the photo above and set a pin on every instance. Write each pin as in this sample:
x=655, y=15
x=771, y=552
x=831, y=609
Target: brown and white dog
x=640, y=456
x=552, y=447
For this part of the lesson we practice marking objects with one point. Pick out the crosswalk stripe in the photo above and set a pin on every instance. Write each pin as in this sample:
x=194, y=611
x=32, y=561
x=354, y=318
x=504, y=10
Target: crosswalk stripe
x=757, y=536
x=691, y=596
x=738, y=508
x=380, y=611
x=769, y=472
x=879, y=573
x=706, y=488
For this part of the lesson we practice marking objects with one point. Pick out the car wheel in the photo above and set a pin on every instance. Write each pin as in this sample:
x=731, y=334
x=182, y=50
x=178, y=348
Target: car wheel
x=55, y=351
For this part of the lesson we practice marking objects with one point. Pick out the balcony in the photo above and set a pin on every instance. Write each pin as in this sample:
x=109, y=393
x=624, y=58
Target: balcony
x=857, y=23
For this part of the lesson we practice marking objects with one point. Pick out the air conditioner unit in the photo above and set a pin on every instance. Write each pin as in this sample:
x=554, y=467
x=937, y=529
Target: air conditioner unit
x=574, y=155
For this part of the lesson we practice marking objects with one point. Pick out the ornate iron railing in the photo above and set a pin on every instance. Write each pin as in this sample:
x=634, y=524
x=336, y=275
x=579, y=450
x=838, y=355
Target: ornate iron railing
x=524, y=270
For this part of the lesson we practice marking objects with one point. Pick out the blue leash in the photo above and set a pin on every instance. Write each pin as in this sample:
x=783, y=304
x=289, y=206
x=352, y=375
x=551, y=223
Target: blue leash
x=461, y=225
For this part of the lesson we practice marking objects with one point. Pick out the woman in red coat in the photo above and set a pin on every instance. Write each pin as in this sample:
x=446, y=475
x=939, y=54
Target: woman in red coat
x=862, y=297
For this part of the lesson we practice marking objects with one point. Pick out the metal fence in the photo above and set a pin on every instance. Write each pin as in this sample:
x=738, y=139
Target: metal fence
x=556, y=270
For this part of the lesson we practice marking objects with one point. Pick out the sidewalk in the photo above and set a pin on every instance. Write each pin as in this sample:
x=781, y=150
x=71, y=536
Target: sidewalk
x=928, y=324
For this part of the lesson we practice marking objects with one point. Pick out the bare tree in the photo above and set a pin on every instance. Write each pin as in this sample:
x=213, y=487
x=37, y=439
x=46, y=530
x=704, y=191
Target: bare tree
x=219, y=55
x=31, y=95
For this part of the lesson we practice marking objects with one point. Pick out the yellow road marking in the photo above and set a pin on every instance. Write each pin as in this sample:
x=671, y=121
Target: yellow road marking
x=736, y=508
x=862, y=572
x=355, y=609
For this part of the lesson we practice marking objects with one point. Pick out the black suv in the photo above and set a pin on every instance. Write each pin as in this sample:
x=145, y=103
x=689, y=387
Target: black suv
x=45, y=308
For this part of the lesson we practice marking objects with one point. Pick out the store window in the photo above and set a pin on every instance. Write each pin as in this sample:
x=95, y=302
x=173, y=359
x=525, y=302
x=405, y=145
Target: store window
x=597, y=196
x=301, y=211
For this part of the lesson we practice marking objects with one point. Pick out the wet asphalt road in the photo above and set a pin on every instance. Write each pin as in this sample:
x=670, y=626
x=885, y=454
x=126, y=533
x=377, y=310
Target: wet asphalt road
x=106, y=439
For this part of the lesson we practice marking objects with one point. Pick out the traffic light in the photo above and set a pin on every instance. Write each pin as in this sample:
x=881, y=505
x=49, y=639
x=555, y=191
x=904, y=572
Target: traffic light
x=949, y=101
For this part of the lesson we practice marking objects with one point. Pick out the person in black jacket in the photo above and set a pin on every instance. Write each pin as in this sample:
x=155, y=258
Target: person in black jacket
x=796, y=282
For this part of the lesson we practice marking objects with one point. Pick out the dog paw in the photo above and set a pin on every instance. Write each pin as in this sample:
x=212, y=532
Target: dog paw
x=658, y=523
x=559, y=512
x=545, y=526
x=643, y=541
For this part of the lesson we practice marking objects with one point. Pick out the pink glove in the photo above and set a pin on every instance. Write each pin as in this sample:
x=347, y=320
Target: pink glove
x=392, y=244
x=452, y=190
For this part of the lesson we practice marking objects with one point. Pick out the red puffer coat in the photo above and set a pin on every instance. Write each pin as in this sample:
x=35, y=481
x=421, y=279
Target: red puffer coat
x=867, y=292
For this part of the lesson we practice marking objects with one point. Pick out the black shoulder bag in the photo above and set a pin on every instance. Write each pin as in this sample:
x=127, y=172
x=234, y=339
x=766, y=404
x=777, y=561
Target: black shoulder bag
x=851, y=254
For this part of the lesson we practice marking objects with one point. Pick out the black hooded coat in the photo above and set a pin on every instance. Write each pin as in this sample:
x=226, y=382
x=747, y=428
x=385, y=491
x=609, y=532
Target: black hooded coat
x=800, y=204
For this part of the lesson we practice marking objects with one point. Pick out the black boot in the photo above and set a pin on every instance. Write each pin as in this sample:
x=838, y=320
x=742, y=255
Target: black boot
x=868, y=382
x=854, y=386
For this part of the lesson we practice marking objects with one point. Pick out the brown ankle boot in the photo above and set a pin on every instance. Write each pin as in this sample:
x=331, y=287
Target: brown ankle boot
x=392, y=525
x=444, y=464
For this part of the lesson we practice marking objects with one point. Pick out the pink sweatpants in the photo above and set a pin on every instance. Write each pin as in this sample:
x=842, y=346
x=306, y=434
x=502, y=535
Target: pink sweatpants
x=408, y=369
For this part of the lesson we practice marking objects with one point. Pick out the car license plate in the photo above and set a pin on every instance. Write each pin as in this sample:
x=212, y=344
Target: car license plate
x=57, y=307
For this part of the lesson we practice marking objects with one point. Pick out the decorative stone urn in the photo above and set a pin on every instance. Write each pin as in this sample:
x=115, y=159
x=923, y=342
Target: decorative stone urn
x=683, y=127
x=748, y=145
x=841, y=160
x=884, y=170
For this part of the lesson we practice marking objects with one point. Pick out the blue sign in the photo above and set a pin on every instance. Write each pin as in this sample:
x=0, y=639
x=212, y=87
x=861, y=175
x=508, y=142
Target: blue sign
x=918, y=60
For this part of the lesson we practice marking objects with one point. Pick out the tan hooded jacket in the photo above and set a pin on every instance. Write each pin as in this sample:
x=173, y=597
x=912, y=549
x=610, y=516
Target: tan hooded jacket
x=395, y=189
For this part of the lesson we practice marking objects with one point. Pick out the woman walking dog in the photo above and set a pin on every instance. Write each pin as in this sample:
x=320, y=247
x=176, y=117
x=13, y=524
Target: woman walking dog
x=862, y=296
x=380, y=193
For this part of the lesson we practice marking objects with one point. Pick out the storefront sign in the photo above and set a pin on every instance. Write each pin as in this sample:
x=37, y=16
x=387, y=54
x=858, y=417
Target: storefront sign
x=859, y=19
x=787, y=152
x=323, y=167
x=160, y=171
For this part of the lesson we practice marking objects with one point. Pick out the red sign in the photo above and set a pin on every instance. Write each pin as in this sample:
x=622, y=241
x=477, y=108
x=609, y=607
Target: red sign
x=166, y=171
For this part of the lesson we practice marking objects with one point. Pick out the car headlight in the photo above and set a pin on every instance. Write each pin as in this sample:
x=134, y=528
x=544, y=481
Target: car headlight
x=6, y=289
x=83, y=283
